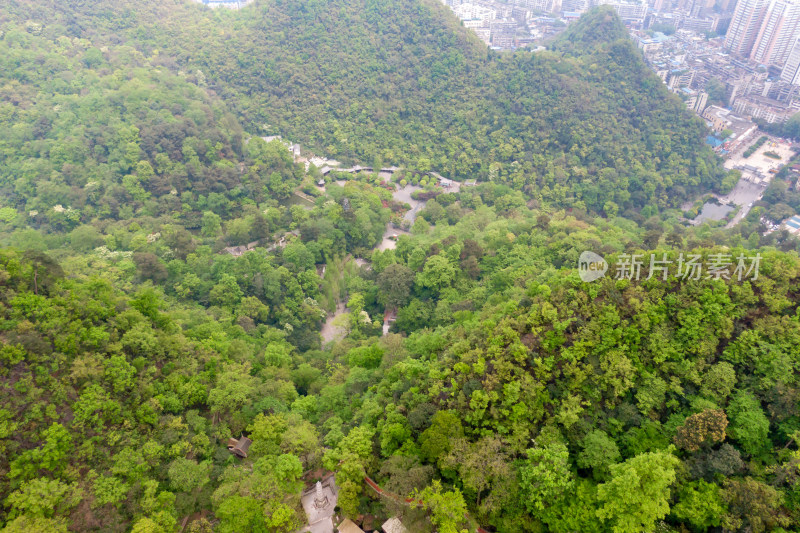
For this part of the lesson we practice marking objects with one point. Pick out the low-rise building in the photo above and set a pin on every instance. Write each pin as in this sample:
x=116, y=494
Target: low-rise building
x=474, y=11
x=792, y=224
x=628, y=11
x=474, y=24
x=766, y=109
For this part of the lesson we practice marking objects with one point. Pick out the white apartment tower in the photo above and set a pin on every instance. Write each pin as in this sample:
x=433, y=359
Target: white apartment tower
x=778, y=33
x=791, y=70
x=745, y=25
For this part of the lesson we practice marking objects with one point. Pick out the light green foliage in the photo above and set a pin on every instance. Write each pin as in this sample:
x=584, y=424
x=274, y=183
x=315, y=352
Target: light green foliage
x=108, y=489
x=212, y=224
x=545, y=477
x=393, y=436
x=447, y=508
x=235, y=387
x=700, y=504
x=366, y=356
x=282, y=519
x=437, y=273
x=637, y=493
x=651, y=394
x=297, y=256
x=27, y=524
x=85, y=238
x=10, y=355
x=266, y=432
x=227, y=292
x=119, y=373
x=43, y=498
x=482, y=465
x=8, y=214
x=146, y=525
x=50, y=456
x=186, y=475
x=124, y=374
x=719, y=380
x=241, y=513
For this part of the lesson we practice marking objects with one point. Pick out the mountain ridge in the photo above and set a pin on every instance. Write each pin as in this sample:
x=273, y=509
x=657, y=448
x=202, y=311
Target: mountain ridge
x=401, y=82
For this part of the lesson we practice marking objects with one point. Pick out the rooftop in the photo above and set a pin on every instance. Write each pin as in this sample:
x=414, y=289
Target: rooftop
x=393, y=525
x=348, y=526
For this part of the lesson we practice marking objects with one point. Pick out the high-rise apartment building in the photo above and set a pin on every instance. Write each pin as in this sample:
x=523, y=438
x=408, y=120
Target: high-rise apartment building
x=745, y=25
x=777, y=33
x=791, y=70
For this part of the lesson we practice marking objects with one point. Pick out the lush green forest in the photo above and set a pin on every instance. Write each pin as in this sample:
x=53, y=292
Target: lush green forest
x=511, y=391
x=166, y=273
x=585, y=125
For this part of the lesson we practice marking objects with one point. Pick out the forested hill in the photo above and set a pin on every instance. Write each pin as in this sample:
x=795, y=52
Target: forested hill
x=402, y=82
x=595, y=29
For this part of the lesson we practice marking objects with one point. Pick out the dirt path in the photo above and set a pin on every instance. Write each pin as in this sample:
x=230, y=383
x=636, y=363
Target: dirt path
x=329, y=331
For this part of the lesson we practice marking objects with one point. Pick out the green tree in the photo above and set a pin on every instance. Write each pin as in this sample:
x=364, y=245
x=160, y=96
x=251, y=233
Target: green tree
x=749, y=425
x=437, y=273
x=752, y=506
x=241, y=513
x=27, y=524
x=211, y=224
x=394, y=284
x=227, y=292
x=545, y=477
x=436, y=441
x=638, y=492
x=448, y=509
x=480, y=465
x=43, y=498
x=186, y=475
x=700, y=505
x=718, y=381
x=85, y=238
x=598, y=454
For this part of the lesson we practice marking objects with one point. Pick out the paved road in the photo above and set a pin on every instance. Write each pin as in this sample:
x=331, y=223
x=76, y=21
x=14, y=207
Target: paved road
x=744, y=194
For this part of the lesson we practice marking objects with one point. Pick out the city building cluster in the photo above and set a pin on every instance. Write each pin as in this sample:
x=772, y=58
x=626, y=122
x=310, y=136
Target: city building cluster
x=733, y=62
x=520, y=23
x=503, y=26
x=751, y=72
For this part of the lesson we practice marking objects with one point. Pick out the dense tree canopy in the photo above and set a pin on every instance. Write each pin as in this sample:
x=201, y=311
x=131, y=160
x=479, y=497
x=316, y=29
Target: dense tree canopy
x=587, y=124
x=171, y=280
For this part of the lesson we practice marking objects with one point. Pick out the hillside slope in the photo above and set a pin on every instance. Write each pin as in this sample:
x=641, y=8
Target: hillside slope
x=403, y=83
